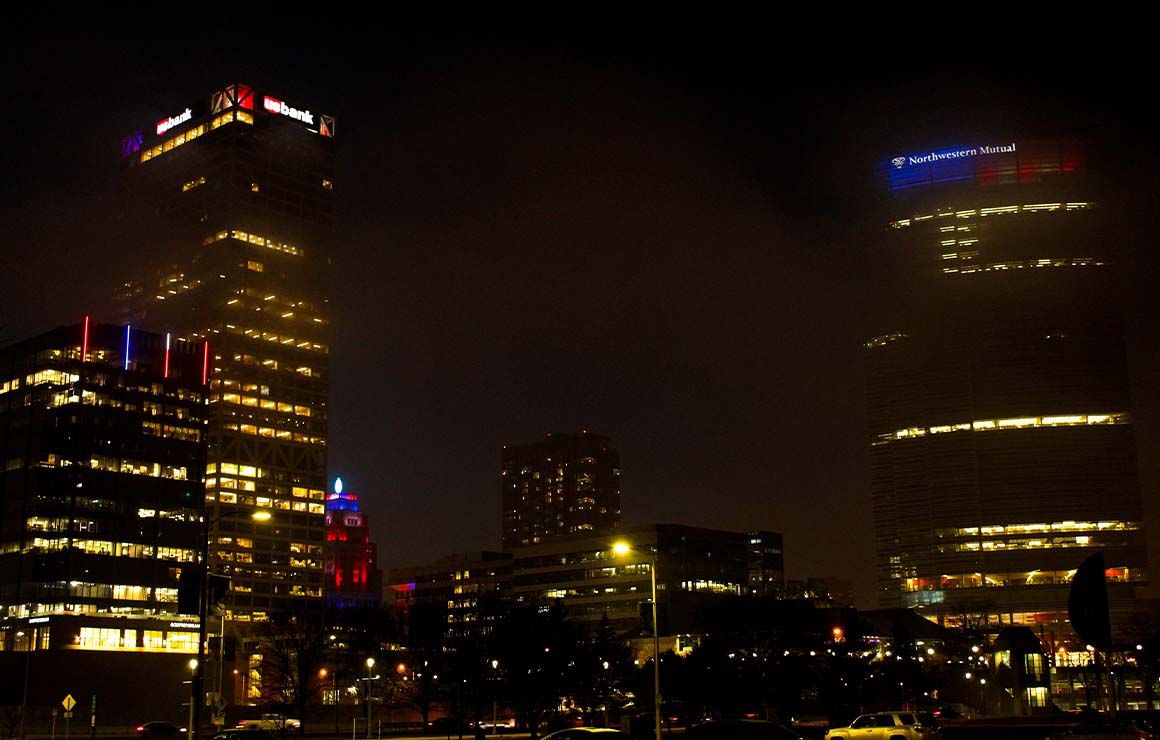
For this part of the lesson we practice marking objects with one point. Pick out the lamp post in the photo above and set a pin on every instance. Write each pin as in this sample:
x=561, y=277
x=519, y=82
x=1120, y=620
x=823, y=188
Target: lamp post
x=370, y=666
x=198, y=681
x=623, y=548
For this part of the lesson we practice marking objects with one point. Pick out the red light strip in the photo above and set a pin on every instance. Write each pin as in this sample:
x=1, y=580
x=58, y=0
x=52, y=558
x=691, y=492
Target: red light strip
x=85, y=342
x=166, y=372
x=205, y=364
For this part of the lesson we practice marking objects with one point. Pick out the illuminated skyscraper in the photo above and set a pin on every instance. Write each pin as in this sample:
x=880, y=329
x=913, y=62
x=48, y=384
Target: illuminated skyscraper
x=567, y=484
x=232, y=207
x=1002, y=445
x=102, y=436
x=353, y=578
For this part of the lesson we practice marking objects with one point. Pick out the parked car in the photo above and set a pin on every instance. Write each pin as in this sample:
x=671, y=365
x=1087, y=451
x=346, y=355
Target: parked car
x=889, y=726
x=274, y=722
x=159, y=731
x=1108, y=728
x=741, y=729
x=448, y=726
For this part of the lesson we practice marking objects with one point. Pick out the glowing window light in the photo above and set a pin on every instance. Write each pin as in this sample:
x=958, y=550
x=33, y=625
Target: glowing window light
x=1007, y=424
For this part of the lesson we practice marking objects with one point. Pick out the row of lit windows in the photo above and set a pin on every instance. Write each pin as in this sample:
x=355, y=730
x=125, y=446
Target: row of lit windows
x=266, y=502
x=175, y=285
x=1021, y=264
x=40, y=377
x=117, y=549
x=169, y=431
x=994, y=211
x=884, y=339
x=1082, y=540
x=133, y=467
x=271, y=364
x=282, y=434
x=1037, y=528
x=278, y=339
x=266, y=403
x=193, y=133
x=185, y=188
x=250, y=471
x=1023, y=422
x=256, y=239
x=1023, y=578
x=716, y=587
x=92, y=398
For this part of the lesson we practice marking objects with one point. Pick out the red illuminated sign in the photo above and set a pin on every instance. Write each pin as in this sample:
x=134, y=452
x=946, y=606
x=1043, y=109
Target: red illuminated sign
x=168, y=123
x=277, y=106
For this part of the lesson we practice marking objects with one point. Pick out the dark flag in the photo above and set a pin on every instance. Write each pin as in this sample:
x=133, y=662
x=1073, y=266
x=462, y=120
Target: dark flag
x=1087, y=604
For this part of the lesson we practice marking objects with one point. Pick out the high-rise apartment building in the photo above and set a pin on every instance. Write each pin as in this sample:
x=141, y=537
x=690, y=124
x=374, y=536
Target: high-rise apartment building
x=231, y=206
x=567, y=484
x=1002, y=444
x=102, y=436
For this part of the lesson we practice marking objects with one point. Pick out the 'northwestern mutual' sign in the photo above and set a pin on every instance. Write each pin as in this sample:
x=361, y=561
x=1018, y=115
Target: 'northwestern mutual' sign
x=949, y=154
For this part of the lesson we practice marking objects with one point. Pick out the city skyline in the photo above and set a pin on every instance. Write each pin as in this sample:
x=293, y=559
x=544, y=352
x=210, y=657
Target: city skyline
x=630, y=240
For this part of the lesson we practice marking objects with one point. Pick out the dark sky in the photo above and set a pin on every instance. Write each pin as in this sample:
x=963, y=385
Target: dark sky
x=663, y=238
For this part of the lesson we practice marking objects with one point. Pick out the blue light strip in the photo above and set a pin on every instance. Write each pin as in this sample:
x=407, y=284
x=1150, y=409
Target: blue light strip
x=128, y=328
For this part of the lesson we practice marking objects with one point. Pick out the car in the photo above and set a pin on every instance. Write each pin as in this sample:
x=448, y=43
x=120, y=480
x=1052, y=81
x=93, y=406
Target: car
x=588, y=733
x=741, y=729
x=500, y=723
x=889, y=726
x=1108, y=728
x=270, y=722
x=157, y=730
x=449, y=726
x=236, y=734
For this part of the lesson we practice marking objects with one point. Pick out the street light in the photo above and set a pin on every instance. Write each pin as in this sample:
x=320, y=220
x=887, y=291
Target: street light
x=623, y=548
x=370, y=665
x=203, y=615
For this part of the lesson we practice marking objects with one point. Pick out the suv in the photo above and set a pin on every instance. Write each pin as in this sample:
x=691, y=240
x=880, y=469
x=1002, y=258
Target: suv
x=889, y=726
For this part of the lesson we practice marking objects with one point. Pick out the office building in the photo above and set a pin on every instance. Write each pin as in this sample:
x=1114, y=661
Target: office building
x=102, y=434
x=1001, y=429
x=695, y=568
x=468, y=590
x=231, y=208
x=568, y=484
x=353, y=578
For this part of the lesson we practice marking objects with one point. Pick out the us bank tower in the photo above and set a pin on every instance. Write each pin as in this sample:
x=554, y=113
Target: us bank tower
x=232, y=207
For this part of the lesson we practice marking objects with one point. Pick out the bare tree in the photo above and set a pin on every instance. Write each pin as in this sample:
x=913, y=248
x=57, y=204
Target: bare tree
x=293, y=643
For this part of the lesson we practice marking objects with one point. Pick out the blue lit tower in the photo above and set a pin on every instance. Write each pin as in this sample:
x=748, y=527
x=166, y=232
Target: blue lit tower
x=1002, y=446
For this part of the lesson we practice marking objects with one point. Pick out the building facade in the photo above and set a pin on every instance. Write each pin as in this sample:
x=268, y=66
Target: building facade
x=468, y=590
x=102, y=434
x=353, y=578
x=567, y=484
x=1002, y=446
x=230, y=203
x=694, y=568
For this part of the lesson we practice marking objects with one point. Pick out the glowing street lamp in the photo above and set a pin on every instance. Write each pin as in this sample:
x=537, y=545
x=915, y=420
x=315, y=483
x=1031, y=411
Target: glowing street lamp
x=623, y=548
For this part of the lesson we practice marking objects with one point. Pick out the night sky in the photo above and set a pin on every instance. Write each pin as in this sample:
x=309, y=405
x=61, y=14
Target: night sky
x=661, y=238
